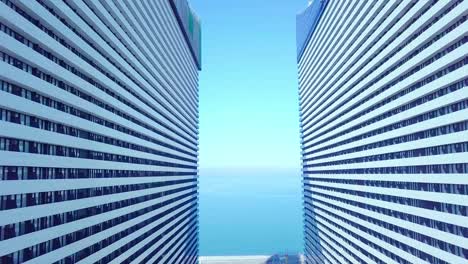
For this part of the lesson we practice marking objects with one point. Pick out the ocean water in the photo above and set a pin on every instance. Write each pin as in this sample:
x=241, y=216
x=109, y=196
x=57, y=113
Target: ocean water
x=250, y=212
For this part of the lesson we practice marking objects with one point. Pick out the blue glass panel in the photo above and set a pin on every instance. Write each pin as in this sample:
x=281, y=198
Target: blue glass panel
x=191, y=27
x=306, y=23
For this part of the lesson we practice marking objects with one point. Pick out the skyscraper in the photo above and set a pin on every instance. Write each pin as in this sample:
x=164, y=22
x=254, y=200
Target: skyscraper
x=383, y=109
x=98, y=131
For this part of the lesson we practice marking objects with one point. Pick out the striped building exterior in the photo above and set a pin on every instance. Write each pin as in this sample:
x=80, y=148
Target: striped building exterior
x=384, y=127
x=98, y=131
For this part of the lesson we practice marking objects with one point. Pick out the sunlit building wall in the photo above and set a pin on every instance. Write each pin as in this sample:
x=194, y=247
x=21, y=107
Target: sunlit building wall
x=384, y=131
x=98, y=131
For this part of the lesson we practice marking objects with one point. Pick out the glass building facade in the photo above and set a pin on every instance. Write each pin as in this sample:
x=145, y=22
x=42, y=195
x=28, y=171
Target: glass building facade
x=384, y=131
x=98, y=131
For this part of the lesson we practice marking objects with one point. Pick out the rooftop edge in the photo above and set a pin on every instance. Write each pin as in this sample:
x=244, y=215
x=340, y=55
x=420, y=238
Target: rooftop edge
x=191, y=27
x=306, y=22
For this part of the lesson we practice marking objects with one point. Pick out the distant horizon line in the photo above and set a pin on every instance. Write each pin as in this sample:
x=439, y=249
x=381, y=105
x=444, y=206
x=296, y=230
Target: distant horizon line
x=250, y=168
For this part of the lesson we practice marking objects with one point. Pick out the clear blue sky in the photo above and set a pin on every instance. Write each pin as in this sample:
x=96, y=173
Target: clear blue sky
x=248, y=84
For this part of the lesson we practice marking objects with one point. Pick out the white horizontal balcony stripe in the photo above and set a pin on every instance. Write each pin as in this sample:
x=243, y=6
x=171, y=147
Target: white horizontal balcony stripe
x=428, y=88
x=322, y=235
x=100, y=22
x=189, y=75
x=121, y=38
x=37, y=160
x=343, y=243
x=168, y=246
x=450, y=58
x=163, y=37
x=175, y=230
x=432, y=214
x=439, y=197
x=382, y=21
x=31, y=239
x=455, y=178
x=451, y=138
x=39, y=11
x=168, y=27
x=171, y=23
x=182, y=50
x=387, y=77
x=182, y=255
x=327, y=257
x=31, y=186
x=37, y=60
x=179, y=70
x=328, y=73
x=130, y=51
x=331, y=258
x=320, y=64
x=354, y=43
x=326, y=33
x=12, y=130
x=22, y=78
x=190, y=255
x=158, y=41
x=405, y=255
x=321, y=226
x=325, y=249
x=186, y=251
x=140, y=38
x=125, y=240
x=90, y=240
x=344, y=51
x=448, y=79
x=442, y=254
x=313, y=255
x=35, y=109
x=420, y=126
x=170, y=229
x=182, y=239
x=168, y=24
x=320, y=27
x=32, y=212
x=325, y=27
x=452, y=158
x=341, y=27
x=138, y=53
x=338, y=99
x=420, y=109
x=370, y=49
x=431, y=232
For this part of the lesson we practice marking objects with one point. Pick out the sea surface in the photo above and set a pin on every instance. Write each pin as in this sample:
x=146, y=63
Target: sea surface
x=250, y=212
